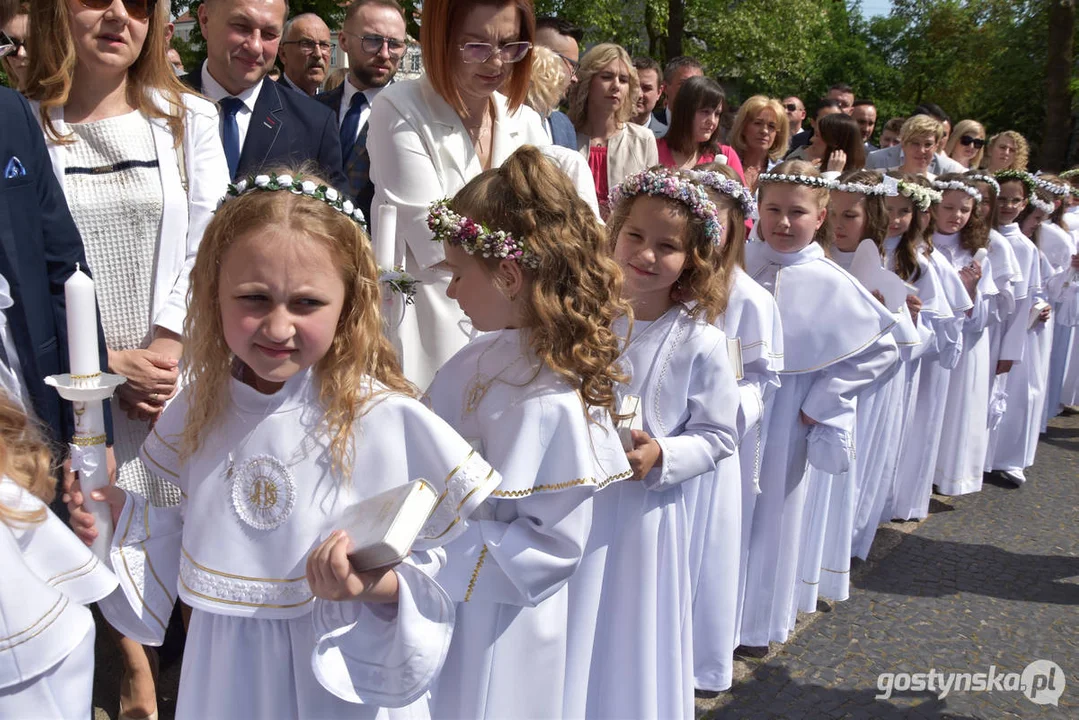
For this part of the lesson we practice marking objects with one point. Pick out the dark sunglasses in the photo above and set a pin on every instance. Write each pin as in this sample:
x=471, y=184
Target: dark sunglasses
x=138, y=9
x=791, y=107
x=978, y=143
x=9, y=45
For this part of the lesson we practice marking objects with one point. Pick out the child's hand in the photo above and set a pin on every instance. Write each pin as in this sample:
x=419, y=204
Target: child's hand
x=970, y=275
x=331, y=576
x=1043, y=316
x=645, y=454
x=914, y=305
x=806, y=420
x=82, y=520
x=1004, y=366
x=837, y=161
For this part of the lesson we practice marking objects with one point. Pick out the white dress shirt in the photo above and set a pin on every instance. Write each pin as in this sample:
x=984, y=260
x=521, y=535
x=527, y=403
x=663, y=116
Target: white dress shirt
x=213, y=90
x=11, y=377
x=346, y=103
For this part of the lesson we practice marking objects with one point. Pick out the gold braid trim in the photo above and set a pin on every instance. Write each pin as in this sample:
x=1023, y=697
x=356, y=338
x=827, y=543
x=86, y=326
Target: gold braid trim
x=476, y=574
x=600, y=484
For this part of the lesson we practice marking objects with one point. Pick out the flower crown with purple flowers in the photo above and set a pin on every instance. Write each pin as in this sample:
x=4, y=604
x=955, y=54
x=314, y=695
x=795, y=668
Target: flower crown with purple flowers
x=297, y=186
x=731, y=188
x=663, y=183
x=476, y=238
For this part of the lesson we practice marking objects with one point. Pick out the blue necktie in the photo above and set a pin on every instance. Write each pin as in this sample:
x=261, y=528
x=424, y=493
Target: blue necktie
x=351, y=126
x=230, y=132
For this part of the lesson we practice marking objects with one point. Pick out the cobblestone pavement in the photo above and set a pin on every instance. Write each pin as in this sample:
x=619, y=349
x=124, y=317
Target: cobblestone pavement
x=990, y=579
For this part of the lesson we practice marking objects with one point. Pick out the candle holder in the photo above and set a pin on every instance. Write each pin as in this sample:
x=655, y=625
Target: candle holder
x=87, y=394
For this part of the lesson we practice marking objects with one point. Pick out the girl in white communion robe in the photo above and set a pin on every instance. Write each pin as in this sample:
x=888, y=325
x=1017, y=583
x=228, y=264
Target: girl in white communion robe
x=296, y=409
x=535, y=393
x=46, y=633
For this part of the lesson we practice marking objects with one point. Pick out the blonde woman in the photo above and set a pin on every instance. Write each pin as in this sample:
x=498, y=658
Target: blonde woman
x=759, y=136
x=600, y=106
x=966, y=144
x=142, y=168
x=1007, y=150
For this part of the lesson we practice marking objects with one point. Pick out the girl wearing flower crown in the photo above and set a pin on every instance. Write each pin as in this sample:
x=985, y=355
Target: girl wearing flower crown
x=48, y=672
x=1024, y=385
x=668, y=240
x=721, y=511
x=959, y=234
x=910, y=255
x=535, y=394
x=836, y=342
x=296, y=410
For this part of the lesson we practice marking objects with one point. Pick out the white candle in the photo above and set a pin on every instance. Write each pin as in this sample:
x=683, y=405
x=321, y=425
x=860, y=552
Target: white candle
x=385, y=236
x=81, y=324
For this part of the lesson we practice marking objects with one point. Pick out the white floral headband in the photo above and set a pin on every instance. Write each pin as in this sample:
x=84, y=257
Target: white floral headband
x=859, y=188
x=297, y=186
x=1045, y=207
x=921, y=196
x=814, y=181
x=985, y=178
x=662, y=183
x=731, y=188
x=1058, y=189
x=945, y=186
x=476, y=238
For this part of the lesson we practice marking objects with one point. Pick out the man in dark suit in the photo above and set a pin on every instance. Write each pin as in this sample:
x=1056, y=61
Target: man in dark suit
x=39, y=250
x=373, y=35
x=262, y=124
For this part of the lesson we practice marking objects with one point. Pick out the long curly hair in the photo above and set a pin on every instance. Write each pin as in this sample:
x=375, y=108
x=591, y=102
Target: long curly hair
x=876, y=214
x=575, y=294
x=359, y=351
x=593, y=61
x=1022, y=150
x=702, y=280
x=975, y=234
x=53, y=60
x=733, y=253
x=26, y=459
x=823, y=236
x=915, y=241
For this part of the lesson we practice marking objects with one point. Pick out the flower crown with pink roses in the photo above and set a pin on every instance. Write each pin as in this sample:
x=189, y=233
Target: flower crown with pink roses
x=682, y=189
x=475, y=238
x=297, y=186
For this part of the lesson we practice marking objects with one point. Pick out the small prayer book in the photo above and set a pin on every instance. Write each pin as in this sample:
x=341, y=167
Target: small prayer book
x=383, y=527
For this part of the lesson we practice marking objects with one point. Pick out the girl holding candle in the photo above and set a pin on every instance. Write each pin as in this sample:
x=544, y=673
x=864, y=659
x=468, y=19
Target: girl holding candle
x=142, y=167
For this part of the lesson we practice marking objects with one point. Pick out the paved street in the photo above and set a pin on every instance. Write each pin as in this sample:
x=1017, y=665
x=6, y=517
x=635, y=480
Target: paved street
x=990, y=579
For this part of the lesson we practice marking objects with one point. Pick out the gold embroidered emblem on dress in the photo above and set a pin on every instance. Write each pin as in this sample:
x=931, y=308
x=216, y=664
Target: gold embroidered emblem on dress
x=263, y=491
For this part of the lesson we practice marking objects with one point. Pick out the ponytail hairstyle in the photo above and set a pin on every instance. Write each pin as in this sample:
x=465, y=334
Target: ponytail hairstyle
x=914, y=241
x=702, y=280
x=819, y=188
x=576, y=286
x=975, y=234
x=24, y=458
x=876, y=214
x=359, y=350
x=733, y=253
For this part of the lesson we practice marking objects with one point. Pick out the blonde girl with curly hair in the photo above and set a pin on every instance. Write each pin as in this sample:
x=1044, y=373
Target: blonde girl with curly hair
x=1007, y=150
x=536, y=394
x=49, y=578
x=296, y=410
x=601, y=103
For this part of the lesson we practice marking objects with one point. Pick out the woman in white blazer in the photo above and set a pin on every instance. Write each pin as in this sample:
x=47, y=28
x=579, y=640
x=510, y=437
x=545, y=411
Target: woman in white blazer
x=600, y=106
x=430, y=136
x=142, y=167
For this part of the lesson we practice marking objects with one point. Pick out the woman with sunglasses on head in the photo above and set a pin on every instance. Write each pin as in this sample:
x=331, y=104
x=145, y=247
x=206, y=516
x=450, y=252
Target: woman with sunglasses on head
x=600, y=106
x=430, y=136
x=966, y=144
x=14, y=33
x=142, y=168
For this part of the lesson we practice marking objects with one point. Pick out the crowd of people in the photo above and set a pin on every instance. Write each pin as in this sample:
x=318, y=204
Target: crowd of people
x=523, y=279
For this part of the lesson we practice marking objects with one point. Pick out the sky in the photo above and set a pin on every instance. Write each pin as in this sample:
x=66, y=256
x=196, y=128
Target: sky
x=876, y=7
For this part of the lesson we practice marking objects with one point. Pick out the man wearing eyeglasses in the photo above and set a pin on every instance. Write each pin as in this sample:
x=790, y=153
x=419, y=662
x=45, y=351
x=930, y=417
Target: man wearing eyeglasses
x=373, y=36
x=263, y=125
x=305, y=53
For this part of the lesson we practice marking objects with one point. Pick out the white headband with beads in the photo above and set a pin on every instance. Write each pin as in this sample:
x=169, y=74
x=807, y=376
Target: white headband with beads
x=957, y=185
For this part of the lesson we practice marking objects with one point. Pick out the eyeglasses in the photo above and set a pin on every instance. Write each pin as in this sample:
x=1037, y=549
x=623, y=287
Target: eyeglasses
x=9, y=45
x=474, y=53
x=791, y=107
x=571, y=64
x=373, y=44
x=310, y=46
x=138, y=9
x=978, y=143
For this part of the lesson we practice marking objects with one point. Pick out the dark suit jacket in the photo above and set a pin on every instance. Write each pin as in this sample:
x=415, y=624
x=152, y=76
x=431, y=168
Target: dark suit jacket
x=39, y=247
x=287, y=129
x=562, y=131
x=332, y=100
